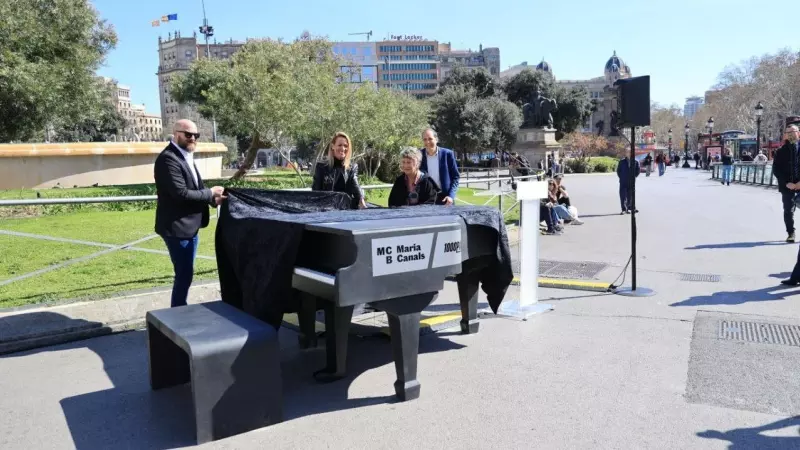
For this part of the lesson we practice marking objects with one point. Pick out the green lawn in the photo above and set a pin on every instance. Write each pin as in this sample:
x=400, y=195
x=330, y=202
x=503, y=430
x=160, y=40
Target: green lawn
x=119, y=271
x=23, y=255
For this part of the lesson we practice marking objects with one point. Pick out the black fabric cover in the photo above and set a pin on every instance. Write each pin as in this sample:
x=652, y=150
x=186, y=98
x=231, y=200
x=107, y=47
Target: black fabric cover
x=259, y=233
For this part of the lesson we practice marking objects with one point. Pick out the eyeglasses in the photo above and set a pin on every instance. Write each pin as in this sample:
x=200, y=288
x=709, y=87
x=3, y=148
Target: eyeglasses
x=191, y=135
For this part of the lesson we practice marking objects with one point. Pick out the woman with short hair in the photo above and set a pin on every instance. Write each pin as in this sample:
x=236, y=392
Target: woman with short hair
x=413, y=187
x=337, y=174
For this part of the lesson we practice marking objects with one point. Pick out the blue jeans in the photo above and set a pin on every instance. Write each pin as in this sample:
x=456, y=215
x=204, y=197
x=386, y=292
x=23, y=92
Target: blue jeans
x=624, y=196
x=661, y=169
x=561, y=212
x=182, y=252
x=726, y=173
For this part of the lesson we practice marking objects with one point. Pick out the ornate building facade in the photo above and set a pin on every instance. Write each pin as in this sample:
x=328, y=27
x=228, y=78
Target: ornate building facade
x=601, y=120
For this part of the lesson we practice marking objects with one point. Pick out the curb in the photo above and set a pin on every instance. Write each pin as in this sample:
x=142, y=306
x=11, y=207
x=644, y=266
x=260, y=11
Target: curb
x=573, y=285
x=35, y=341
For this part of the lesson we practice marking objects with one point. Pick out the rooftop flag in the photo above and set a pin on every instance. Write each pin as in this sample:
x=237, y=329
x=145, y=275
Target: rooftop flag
x=172, y=17
x=155, y=23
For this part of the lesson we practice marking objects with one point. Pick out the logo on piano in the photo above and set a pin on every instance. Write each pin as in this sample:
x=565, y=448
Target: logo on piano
x=452, y=247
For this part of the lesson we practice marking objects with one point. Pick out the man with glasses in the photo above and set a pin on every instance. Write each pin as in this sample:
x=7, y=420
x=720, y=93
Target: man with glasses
x=182, y=204
x=786, y=168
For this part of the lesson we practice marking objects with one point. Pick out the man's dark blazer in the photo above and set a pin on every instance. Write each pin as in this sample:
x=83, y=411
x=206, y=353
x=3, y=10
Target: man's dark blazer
x=783, y=165
x=448, y=170
x=182, y=206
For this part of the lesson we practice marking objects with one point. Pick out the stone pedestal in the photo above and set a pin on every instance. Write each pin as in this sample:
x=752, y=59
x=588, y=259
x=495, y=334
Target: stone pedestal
x=536, y=143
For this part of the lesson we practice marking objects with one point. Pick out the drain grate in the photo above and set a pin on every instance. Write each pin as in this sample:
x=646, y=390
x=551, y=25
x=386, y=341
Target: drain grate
x=545, y=265
x=702, y=277
x=575, y=270
x=582, y=270
x=762, y=333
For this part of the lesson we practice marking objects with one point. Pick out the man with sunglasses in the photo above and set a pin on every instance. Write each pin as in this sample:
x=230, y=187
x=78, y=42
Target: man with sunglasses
x=182, y=204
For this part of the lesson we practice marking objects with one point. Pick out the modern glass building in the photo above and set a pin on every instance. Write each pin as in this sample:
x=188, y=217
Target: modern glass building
x=359, y=61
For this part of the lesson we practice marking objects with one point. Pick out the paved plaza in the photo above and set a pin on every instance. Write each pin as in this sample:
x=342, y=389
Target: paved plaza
x=709, y=362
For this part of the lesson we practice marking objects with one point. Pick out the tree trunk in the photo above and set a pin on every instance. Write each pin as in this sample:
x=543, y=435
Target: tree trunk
x=250, y=157
x=295, y=166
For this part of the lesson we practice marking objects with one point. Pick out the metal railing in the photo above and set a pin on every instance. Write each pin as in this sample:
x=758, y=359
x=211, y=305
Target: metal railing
x=757, y=174
x=150, y=198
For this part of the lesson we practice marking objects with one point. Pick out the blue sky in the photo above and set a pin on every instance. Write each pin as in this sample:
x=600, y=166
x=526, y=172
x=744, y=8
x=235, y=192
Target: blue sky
x=681, y=44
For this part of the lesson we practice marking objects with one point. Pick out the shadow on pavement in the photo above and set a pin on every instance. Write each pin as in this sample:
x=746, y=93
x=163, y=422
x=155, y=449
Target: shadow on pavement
x=131, y=415
x=589, y=216
x=737, y=245
x=781, y=275
x=740, y=297
x=751, y=438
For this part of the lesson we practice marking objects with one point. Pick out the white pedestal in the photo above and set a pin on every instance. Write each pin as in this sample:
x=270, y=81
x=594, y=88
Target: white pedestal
x=529, y=193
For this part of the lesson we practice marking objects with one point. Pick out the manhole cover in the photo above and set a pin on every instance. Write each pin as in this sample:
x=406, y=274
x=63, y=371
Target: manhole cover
x=702, y=277
x=762, y=333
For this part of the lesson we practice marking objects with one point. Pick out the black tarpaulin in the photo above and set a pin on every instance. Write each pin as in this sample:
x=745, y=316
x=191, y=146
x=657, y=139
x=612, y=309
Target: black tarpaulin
x=259, y=233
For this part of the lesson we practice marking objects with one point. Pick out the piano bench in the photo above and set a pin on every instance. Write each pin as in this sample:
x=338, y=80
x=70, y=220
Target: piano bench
x=231, y=358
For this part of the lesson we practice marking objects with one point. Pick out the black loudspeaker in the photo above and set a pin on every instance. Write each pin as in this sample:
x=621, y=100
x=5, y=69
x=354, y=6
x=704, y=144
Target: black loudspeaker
x=633, y=101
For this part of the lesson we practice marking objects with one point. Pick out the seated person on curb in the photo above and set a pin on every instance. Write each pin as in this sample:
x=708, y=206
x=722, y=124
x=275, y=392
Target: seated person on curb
x=545, y=213
x=560, y=212
x=563, y=196
x=413, y=187
x=337, y=174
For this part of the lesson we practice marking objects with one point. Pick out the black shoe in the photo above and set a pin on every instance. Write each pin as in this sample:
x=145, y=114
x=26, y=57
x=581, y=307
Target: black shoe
x=790, y=282
x=790, y=239
x=722, y=183
x=623, y=212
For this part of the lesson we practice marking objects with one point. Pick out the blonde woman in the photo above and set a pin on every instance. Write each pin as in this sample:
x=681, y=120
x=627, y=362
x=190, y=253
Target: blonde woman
x=337, y=173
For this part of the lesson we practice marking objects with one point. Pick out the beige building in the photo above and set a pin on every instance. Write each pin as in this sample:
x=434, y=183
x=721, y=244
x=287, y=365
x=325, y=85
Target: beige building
x=417, y=66
x=409, y=64
x=613, y=70
x=175, y=54
x=141, y=125
x=484, y=57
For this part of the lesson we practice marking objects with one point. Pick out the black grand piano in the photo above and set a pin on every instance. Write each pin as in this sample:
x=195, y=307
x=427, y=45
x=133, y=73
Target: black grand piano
x=395, y=260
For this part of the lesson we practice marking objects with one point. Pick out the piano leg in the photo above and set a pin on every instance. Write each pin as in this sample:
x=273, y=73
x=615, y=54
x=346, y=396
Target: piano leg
x=337, y=327
x=404, y=316
x=306, y=316
x=468, y=297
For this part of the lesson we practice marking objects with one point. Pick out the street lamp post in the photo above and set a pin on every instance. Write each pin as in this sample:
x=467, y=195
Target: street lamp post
x=669, y=142
x=686, y=146
x=208, y=31
x=710, y=125
x=759, y=112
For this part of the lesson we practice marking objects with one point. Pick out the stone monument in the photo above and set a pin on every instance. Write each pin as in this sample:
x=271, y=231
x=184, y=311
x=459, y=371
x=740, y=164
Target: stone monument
x=536, y=139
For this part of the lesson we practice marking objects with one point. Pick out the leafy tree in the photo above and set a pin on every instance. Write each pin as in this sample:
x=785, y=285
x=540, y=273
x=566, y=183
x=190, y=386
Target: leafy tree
x=279, y=95
x=574, y=105
x=480, y=80
x=102, y=120
x=518, y=89
x=49, y=52
x=462, y=121
x=507, y=118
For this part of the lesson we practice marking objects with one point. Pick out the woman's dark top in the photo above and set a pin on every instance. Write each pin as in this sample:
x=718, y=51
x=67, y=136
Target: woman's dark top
x=727, y=160
x=426, y=191
x=336, y=179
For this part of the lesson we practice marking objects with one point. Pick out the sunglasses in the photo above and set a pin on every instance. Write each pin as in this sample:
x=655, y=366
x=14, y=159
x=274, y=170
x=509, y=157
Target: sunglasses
x=190, y=135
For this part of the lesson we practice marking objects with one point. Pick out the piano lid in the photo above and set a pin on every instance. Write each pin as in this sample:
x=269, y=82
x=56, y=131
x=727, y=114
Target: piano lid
x=358, y=227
